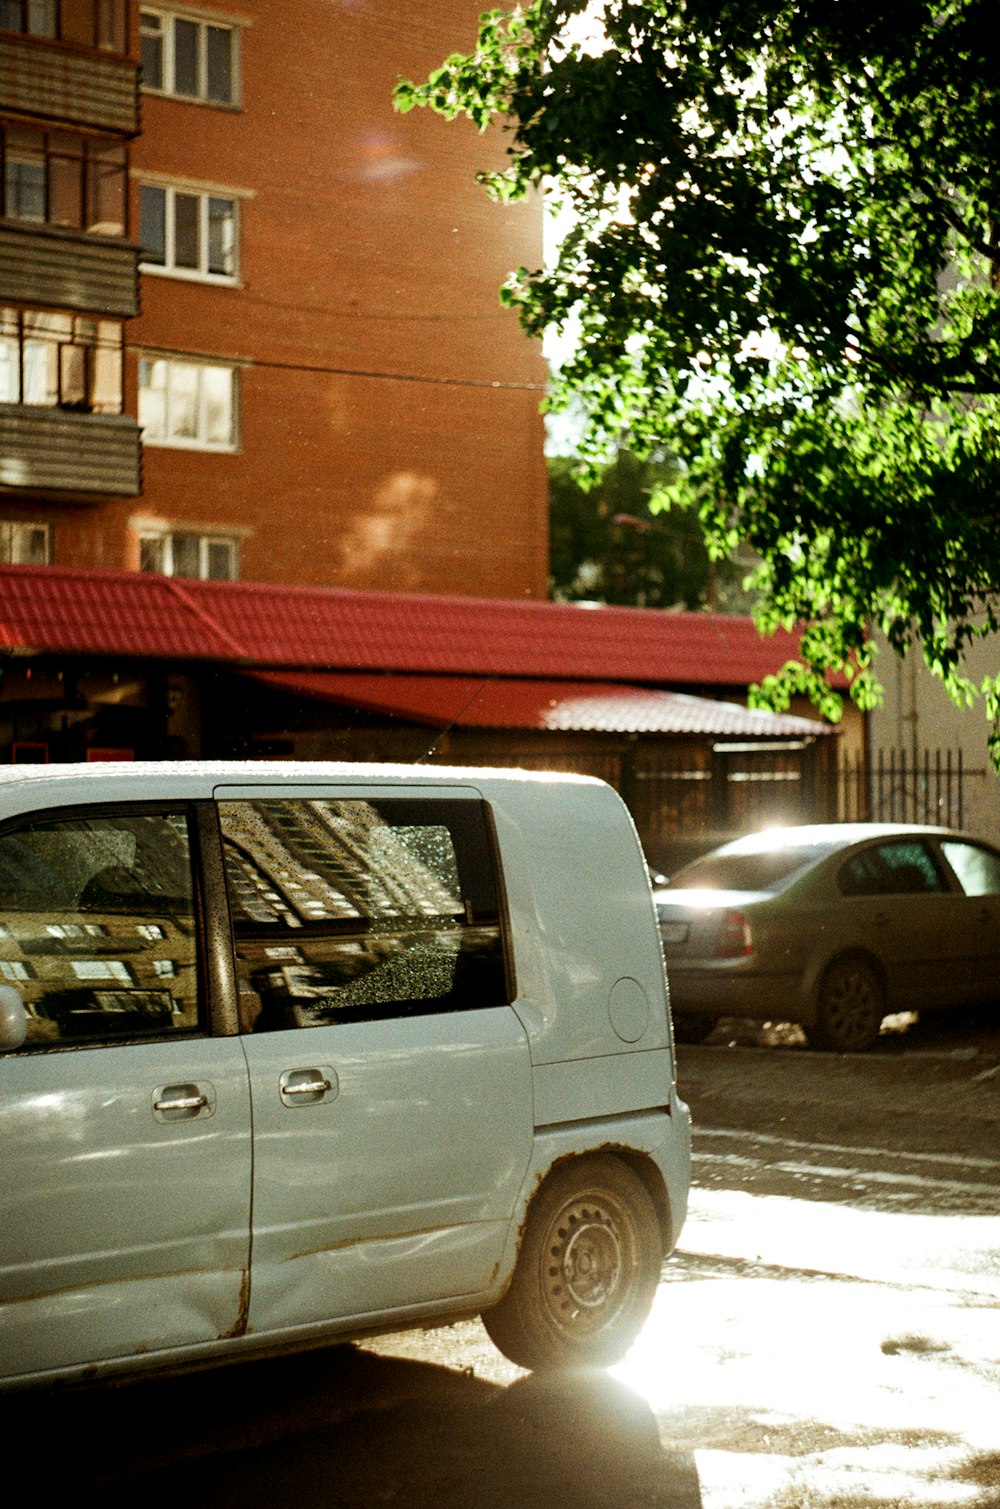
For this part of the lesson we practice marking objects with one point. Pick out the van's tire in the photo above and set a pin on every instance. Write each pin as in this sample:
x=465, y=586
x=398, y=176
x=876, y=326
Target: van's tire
x=850, y=1005
x=586, y=1272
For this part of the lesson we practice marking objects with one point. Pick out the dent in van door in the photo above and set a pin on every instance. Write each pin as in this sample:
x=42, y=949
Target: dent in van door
x=125, y=1201
x=370, y=958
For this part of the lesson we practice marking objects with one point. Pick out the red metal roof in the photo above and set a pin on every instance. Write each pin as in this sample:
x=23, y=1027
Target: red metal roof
x=562, y=706
x=128, y=613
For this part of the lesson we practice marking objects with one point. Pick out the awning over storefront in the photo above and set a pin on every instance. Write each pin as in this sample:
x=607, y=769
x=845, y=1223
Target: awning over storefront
x=553, y=705
x=51, y=609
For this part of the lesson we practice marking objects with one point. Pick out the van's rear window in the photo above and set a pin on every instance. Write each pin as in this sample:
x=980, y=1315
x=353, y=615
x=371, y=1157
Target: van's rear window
x=352, y=908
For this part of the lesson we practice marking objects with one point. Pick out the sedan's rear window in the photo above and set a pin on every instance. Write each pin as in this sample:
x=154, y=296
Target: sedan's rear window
x=766, y=870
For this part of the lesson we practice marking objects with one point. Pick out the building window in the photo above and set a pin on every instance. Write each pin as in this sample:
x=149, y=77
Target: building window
x=187, y=403
x=188, y=232
x=210, y=557
x=23, y=544
x=37, y=18
x=58, y=178
x=195, y=59
x=90, y=23
x=68, y=361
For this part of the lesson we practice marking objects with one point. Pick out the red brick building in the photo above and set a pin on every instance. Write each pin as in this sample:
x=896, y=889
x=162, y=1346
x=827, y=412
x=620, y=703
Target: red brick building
x=250, y=333
x=327, y=389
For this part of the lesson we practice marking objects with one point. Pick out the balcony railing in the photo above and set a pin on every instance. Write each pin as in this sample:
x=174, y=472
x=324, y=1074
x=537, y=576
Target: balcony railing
x=82, y=457
x=60, y=84
x=68, y=270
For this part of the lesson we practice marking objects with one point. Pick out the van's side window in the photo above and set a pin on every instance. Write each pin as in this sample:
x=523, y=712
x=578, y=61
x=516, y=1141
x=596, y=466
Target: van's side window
x=97, y=928
x=350, y=909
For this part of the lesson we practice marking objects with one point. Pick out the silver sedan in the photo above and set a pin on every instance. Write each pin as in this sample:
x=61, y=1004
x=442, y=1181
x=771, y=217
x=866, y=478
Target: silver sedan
x=833, y=926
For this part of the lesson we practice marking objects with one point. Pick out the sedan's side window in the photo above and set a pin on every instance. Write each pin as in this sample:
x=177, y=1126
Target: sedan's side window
x=978, y=869
x=347, y=909
x=902, y=867
x=97, y=928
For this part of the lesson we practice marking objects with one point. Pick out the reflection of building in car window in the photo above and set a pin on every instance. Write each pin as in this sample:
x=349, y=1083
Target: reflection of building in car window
x=309, y=860
x=390, y=914
x=99, y=927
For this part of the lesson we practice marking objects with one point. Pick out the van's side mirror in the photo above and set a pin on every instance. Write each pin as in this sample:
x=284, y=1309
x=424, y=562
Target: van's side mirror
x=13, y=1018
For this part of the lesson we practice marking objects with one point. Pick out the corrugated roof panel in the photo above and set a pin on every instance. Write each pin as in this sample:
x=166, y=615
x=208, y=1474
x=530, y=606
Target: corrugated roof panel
x=42, y=608
x=559, y=706
x=487, y=636
x=50, y=608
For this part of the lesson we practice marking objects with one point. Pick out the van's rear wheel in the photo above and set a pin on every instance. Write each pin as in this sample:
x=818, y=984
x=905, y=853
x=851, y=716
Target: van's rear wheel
x=587, y=1270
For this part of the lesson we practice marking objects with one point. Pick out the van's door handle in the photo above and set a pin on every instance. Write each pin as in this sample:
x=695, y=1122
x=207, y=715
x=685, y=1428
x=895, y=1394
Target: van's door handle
x=182, y=1102
x=304, y=1087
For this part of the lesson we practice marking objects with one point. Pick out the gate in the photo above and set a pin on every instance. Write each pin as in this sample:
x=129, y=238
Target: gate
x=893, y=786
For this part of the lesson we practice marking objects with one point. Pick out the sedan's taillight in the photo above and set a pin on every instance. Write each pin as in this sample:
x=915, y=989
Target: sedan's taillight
x=735, y=939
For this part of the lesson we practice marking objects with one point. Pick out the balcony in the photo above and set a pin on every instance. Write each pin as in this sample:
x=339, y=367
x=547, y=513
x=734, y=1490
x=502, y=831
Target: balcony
x=77, y=88
x=82, y=457
x=68, y=270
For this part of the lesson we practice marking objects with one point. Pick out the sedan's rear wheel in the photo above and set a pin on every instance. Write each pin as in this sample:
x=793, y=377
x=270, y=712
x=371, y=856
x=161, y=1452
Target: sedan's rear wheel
x=849, y=1008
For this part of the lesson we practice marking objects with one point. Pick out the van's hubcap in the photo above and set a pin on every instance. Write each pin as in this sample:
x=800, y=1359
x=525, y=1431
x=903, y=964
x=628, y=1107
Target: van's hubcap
x=585, y=1263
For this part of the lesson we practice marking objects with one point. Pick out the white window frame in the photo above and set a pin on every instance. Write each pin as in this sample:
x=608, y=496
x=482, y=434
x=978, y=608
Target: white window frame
x=200, y=440
x=168, y=268
x=203, y=20
x=164, y=540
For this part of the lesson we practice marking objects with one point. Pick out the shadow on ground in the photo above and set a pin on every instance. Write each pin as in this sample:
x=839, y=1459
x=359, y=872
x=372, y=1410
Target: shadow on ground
x=972, y=1029
x=343, y=1427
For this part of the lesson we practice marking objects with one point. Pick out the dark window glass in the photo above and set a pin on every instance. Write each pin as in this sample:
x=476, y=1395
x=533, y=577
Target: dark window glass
x=25, y=190
x=903, y=868
x=186, y=230
x=151, y=553
x=185, y=57
x=352, y=909
x=153, y=223
x=43, y=18
x=151, y=49
x=97, y=928
x=221, y=561
x=24, y=173
x=186, y=554
x=10, y=15
x=221, y=236
x=219, y=61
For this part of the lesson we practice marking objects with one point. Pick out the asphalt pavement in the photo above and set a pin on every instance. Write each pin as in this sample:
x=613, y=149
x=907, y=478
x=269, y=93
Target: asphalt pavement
x=826, y=1337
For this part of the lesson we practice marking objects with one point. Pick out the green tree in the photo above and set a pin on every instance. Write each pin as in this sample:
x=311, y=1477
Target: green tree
x=784, y=268
x=607, y=544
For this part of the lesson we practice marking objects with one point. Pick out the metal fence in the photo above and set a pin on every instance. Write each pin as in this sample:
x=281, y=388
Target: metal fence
x=894, y=786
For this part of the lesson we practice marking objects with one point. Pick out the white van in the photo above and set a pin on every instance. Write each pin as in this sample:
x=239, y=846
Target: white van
x=298, y=1052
